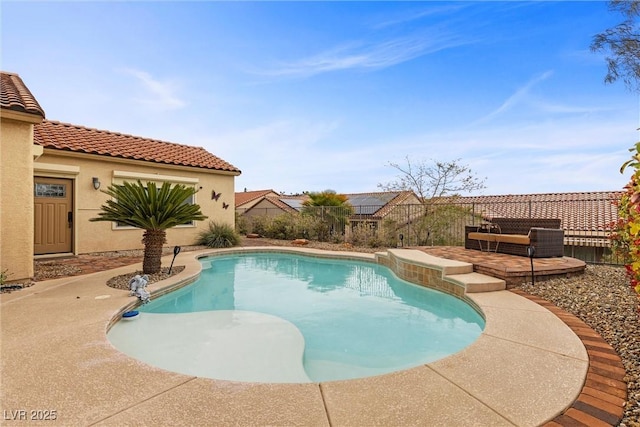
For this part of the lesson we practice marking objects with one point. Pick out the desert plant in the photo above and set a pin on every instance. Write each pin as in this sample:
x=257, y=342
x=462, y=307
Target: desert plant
x=360, y=234
x=258, y=224
x=389, y=233
x=242, y=224
x=152, y=209
x=285, y=226
x=281, y=227
x=218, y=235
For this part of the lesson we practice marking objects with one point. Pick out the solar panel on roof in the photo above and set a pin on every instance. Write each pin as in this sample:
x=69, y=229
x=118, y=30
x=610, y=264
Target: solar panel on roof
x=366, y=210
x=368, y=204
x=294, y=203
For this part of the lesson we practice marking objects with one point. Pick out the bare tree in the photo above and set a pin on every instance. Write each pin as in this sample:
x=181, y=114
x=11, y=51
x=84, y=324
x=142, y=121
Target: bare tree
x=622, y=44
x=433, y=180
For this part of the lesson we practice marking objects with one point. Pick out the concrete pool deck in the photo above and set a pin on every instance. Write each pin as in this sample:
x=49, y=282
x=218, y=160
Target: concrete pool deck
x=527, y=367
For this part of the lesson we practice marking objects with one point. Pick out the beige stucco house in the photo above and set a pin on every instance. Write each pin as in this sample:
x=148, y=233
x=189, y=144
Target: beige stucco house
x=261, y=199
x=267, y=203
x=52, y=174
x=19, y=112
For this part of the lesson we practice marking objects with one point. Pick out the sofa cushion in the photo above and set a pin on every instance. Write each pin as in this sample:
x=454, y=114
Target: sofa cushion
x=486, y=237
x=519, y=239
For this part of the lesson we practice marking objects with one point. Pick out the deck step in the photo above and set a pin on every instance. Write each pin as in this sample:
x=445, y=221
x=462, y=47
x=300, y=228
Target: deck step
x=477, y=282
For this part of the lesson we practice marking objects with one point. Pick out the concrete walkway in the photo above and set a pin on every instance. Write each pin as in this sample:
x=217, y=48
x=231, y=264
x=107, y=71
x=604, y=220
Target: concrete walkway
x=526, y=368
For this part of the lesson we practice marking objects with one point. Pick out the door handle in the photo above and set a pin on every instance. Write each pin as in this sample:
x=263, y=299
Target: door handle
x=70, y=218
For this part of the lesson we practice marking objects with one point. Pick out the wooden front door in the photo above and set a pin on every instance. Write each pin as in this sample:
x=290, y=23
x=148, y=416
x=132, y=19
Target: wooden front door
x=53, y=215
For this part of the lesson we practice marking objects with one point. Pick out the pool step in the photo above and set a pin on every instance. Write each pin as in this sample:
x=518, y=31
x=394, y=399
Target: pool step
x=477, y=282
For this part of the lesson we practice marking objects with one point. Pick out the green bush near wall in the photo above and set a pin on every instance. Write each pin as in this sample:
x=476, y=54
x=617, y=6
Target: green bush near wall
x=218, y=236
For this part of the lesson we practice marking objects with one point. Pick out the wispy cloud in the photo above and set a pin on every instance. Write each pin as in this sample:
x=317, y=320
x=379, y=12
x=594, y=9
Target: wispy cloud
x=518, y=97
x=418, y=14
x=364, y=56
x=158, y=94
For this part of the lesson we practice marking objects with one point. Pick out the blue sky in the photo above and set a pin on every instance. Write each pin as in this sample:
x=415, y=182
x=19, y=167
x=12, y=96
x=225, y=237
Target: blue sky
x=307, y=96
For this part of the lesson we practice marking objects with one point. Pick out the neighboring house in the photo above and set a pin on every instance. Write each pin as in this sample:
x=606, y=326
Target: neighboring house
x=247, y=200
x=54, y=192
x=374, y=207
x=370, y=208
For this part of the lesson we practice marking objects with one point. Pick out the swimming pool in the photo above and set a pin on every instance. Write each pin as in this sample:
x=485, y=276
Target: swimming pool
x=273, y=317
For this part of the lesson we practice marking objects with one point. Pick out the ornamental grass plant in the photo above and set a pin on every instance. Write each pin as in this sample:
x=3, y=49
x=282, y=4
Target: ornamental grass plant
x=218, y=235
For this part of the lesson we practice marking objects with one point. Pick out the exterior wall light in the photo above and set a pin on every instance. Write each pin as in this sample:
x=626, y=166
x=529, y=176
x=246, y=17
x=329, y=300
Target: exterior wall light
x=96, y=183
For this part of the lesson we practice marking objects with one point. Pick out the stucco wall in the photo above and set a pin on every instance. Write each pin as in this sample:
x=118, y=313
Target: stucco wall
x=103, y=236
x=16, y=199
x=263, y=208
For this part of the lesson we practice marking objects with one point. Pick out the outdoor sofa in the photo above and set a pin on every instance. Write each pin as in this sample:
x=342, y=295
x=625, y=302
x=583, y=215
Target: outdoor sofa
x=516, y=236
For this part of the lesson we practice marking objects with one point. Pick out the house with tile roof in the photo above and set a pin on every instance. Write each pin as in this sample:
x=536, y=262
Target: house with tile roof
x=376, y=206
x=68, y=165
x=19, y=112
x=246, y=200
x=369, y=208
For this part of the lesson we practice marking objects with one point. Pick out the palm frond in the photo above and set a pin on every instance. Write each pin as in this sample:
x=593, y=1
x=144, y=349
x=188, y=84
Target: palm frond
x=148, y=207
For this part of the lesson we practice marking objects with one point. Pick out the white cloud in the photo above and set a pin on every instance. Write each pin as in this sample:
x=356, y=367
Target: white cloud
x=294, y=156
x=357, y=55
x=157, y=94
x=518, y=97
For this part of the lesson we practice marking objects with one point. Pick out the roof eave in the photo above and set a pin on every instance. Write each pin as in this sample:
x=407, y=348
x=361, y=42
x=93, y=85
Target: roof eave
x=20, y=116
x=119, y=159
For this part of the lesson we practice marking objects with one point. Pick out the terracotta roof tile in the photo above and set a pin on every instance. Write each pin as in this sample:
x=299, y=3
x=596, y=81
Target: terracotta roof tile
x=14, y=95
x=586, y=211
x=248, y=196
x=282, y=204
x=67, y=137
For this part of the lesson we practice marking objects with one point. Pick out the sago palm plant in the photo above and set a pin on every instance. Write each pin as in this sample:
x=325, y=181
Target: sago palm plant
x=152, y=209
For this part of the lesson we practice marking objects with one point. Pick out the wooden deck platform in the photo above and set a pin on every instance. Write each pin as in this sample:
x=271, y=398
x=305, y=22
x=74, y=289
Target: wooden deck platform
x=515, y=270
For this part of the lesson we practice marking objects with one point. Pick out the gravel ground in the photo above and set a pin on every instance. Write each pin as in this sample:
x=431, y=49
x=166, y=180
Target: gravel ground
x=122, y=281
x=600, y=297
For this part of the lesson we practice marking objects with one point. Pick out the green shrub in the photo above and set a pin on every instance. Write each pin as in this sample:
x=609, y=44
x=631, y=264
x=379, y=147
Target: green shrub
x=361, y=234
x=3, y=276
x=242, y=224
x=388, y=234
x=281, y=227
x=284, y=227
x=258, y=225
x=218, y=236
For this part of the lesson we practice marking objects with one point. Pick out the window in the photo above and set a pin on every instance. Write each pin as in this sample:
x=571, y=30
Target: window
x=50, y=190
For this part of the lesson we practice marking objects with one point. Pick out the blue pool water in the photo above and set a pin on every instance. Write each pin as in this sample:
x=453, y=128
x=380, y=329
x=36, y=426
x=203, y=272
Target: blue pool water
x=357, y=318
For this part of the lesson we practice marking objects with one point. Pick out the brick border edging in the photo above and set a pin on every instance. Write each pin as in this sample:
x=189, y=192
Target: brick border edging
x=603, y=396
